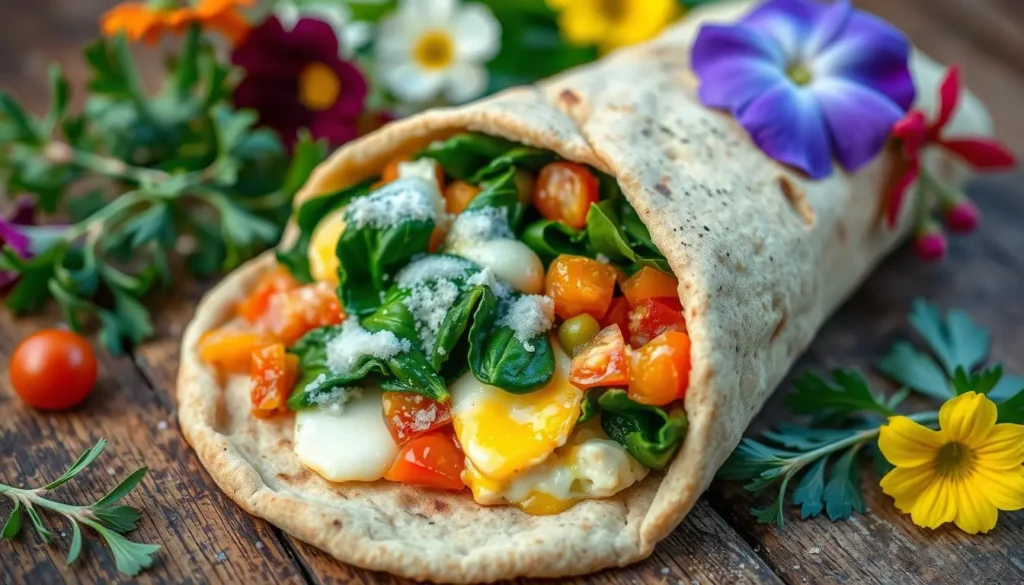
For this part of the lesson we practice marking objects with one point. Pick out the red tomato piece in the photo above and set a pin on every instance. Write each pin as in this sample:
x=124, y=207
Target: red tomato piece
x=618, y=314
x=231, y=351
x=409, y=415
x=603, y=362
x=661, y=369
x=255, y=305
x=579, y=285
x=293, y=313
x=271, y=380
x=433, y=460
x=650, y=283
x=564, y=192
x=53, y=369
x=652, y=317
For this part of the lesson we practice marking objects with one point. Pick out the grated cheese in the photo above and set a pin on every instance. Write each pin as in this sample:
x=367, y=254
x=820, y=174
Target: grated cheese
x=354, y=342
x=424, y=168
x=334, y=401
x=480, y=225
x=402, y=200
x=487, y=278
x=430, y=268
x=529, y=316
x=429, y=305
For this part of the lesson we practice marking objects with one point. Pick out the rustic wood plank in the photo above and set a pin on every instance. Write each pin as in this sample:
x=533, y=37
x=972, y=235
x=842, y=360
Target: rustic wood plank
x=205, y=538
x=984, y=275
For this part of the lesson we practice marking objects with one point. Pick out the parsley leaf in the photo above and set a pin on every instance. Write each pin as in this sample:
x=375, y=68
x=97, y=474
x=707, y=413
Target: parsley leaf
x=847, y=395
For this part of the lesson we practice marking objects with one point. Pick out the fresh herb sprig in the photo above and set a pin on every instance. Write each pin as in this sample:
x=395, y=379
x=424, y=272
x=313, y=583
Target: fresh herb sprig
x=821, y=461
x=108, y=518
x=140, y=177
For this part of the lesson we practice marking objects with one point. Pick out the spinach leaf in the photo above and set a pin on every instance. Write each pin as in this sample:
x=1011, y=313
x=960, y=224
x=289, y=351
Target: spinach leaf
x=463, y=155
x=588, y=408
x=501, y=192
x=393, y=316
x=549, y=239
x=296, y=259
x=606, y=238
x=475, y=310
x=523, y=157
x=651, y=435
x=503, y=361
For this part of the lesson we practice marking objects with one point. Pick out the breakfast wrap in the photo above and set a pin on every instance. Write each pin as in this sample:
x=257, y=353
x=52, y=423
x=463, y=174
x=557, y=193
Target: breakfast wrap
x=519, y=337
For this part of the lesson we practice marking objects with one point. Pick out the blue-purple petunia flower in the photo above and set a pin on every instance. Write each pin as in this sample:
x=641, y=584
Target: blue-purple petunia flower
x=808, y=80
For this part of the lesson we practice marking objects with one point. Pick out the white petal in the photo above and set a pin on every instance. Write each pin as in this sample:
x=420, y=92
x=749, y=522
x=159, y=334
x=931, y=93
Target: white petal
x=409, y=83
x=477, y=33
x=394, y=43
x=428, y=13
x=288, y=14
x=356, y=35
x=465, y=81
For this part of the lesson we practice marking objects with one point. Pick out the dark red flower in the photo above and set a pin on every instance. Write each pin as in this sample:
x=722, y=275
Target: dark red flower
x=13, y=236
x=915, y=133
x=295, y=79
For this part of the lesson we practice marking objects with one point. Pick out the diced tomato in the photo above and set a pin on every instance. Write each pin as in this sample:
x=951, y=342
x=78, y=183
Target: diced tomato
x=433, y=460
x=618, y=314
x=652, y=317
x=231, y=351
x=271, y=380
x=661, y=369
x=437, y=238
x=390, y=172
x=409, y=415
x=458, y=195
x=292, y=314
x=579, y=285
x=650, y=283
x=564, y=192
x=255, y=305
x=602, y=362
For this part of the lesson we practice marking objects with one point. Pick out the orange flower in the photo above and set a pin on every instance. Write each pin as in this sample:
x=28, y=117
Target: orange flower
x=149, y=20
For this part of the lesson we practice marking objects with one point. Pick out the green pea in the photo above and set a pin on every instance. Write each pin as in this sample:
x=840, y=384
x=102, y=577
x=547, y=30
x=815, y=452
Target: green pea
x=577, y=332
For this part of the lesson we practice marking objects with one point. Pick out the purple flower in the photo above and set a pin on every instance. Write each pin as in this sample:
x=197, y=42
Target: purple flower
x=14, y=237
x=808, y=80
x=295, y=79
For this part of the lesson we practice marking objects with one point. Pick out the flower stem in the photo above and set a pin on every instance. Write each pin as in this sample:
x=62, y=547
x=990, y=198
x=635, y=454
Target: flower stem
x=61, y=153
x=854, y=439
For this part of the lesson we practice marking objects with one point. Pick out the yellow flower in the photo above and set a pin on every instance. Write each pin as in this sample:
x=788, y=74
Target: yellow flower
x=610, y=24
x=964, y=473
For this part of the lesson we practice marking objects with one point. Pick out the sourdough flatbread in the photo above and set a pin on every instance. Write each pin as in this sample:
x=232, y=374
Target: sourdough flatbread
x=762, y=254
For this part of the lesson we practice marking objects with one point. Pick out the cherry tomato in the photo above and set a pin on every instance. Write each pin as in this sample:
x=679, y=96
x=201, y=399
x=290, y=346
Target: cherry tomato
x=458, y=195
x=433, y=460
x=231, y=351
x=391, y=172
x=652, y=317
x=579, y=285
x=255, y=305
x=292, y=314
x=650, y=283
x=602, y=362
x=661, y=369
x=409, y=415
x=271, y=380
x=618, y=314
x=564, y=192
x=53, y=369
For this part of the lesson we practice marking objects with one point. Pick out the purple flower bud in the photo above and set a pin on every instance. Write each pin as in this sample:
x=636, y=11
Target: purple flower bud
x=930, y=245
x=962, y=217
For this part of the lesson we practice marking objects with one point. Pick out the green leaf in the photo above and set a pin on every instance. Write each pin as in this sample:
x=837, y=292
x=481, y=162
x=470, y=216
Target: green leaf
x=370, y=10
x=512, y=365
x=774, y=514
x=130, y=557
x=13, y=525
x=980, y=382
x=474, y=312
x=393, y=316
x=1012, y=409
x=152, y=224
x=842, y=492
x=122, y=489
x=307, y=154
x=463, y=155
x=849, y=394
x=25, y=129
x=651, y=435
x=916, y=370
x=76, y=543
x=588, y=408
x=607, y=239
x=186, y=70
x=60, y=93
x=549, y=239
x=751, y=460
x=37, y=522
x=500, y=192
x=118, y=518
x=809, y=492
x=81, y=463
x=956, y=340
x=520, y=157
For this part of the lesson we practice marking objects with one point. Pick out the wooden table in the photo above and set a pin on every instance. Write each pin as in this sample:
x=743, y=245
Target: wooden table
x=207, y=539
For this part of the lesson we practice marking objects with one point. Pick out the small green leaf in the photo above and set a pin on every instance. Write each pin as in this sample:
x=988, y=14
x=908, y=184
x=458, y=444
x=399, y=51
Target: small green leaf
x=956, y=340
x=651, y=434
x=751, y=460
x=980, y=382
x=588, y=408
x=37, y=522
x=118, y=518
x=916, y=370
x=122, y=489
x=508, y=363
x=130, y=557
x=774, y=514
x=60, y=93
x=13, y=525
x=809, y=492
x=849, y=394
x=606, y=237
x=81, y=463
x=25, y=129
x=1012, y=409
x=186, y=72
x=76, y=543
x=842, y=492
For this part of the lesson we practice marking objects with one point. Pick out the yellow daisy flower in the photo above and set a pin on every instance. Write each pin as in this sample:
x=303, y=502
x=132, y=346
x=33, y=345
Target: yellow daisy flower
x=964, y=473
x=610, y=24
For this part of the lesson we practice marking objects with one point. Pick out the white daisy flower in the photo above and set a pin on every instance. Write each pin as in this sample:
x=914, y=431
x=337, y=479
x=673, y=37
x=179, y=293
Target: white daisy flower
x=351, y=35
x=427, y=48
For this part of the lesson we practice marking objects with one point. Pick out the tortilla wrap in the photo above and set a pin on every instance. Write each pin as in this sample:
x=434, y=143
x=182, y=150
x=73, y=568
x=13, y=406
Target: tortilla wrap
x=763, y=255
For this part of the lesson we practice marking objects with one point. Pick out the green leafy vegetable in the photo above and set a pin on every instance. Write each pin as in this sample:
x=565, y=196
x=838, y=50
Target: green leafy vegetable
x=500, y=192
x=474, y=312
x=848, y=395
x=512, y=365
x=520, y=157
x=608, y=239
x=651, y=435
x=549, y=239
x=109, y=520
x=463, y=155
x=588, y=408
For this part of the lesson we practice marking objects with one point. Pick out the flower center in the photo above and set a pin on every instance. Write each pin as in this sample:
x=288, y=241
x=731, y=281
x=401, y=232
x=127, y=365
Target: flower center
x=612, y=10
x=954, y=459
x=319, y=87
x=800, y=74
x=435, y=50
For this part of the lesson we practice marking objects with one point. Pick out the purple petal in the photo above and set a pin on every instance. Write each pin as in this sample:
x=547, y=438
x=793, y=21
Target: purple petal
x=788, y=22
x=316, y=38
x=716, y=44
x=334, y=130
x=787, y=124
x=873, y=53
x=829, y=26
x=860, y=120
x=733, y=84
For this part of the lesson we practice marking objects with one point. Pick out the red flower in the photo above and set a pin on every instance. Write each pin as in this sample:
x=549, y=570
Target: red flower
x=915, y=133
x=295, y=79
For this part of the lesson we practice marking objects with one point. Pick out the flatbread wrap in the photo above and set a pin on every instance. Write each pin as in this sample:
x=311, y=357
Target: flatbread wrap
x=760, y=256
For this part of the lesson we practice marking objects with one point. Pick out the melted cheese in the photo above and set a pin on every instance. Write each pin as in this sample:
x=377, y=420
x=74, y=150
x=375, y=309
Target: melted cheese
x=510, y=260
x=351, y=445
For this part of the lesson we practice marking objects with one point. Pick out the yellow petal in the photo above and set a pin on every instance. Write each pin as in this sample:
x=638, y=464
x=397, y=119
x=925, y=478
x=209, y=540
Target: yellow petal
x=1003, y=448
x=936, y=506
x=581, y=25
x=968, y=418
x=907, y=443
x=974, y=512
x=642, y=20
x=906, y=484
x=1004, y=488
